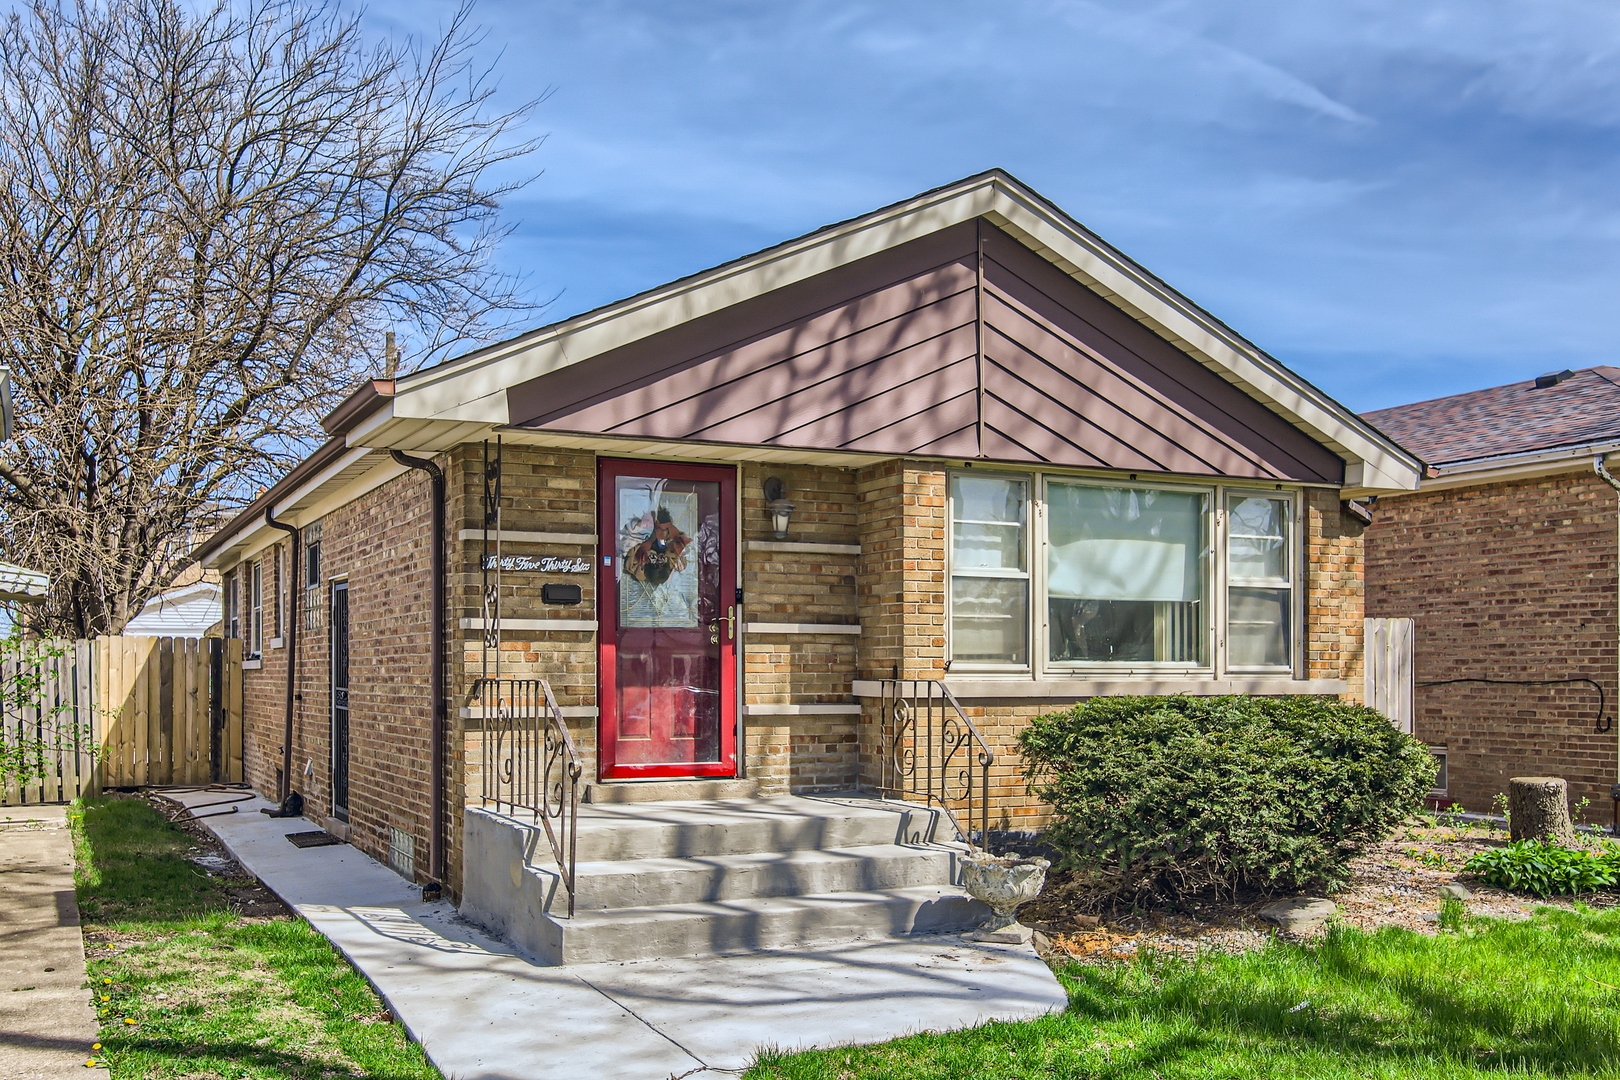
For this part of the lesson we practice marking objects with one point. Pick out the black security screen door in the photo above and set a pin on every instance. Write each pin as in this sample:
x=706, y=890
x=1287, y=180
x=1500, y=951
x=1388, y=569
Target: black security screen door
x=340, y=700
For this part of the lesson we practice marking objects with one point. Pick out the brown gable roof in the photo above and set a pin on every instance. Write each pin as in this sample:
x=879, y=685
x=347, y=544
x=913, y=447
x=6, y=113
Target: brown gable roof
x=883, y=356
x=1514, y=419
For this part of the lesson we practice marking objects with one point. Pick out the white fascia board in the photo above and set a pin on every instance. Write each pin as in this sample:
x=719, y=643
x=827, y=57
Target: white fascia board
x=473, y=388
x=253, y=538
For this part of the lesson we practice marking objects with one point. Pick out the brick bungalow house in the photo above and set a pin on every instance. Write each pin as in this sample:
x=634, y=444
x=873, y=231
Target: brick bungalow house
x=1505, y=557
x=741, y=522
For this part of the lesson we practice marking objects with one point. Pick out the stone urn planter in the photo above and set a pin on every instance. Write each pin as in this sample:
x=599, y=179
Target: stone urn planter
x=1003, y=882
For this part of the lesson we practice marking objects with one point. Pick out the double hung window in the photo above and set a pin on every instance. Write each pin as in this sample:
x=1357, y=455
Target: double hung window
x=989, y=570
x=233, y=605
x=1259, y=581
x=253, y=644
x=1064, y=575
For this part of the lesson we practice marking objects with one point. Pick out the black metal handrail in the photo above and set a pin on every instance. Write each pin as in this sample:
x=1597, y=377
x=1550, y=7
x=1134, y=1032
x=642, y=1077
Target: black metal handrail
x=928, y=750
x=531, y=763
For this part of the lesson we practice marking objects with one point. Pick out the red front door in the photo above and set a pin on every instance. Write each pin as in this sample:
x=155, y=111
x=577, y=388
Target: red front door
x=668, y=620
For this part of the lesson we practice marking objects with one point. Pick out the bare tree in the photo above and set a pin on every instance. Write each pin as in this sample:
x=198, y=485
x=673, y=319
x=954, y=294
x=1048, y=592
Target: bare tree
x=209, y=218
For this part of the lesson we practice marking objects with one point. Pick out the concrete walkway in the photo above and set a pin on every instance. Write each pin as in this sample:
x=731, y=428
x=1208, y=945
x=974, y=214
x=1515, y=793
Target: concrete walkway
x=47, y=1024
x=483, y=1013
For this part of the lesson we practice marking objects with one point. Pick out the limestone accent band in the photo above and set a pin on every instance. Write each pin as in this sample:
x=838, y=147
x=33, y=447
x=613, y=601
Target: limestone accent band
x=1079, y=689
x=801, y=628
x=570, y=712
x=831, y=709
x=572, y=625
x=511, y=536
x=795, y=547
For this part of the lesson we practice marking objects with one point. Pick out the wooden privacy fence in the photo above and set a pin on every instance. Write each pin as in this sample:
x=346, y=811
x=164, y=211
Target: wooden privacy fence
x=45, y=730
x=1389, y=669
x=158, y=710
x=171, y=710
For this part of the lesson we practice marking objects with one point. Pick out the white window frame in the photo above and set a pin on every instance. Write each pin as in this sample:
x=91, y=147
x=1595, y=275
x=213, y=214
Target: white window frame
x=1027, y=576
x=1153, y=668
x=233, y=605
x=1295, y=566
x=253, y=644
x=1216, y=584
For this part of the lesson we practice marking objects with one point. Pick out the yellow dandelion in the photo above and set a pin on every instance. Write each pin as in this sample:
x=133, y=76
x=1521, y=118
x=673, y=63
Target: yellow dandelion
x=96, y=1047
x=104, y=997
x=129, y=1020
x=90, y=1064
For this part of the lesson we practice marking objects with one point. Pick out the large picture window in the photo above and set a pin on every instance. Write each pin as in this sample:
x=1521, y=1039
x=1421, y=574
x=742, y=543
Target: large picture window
x=989, y=570
x=1125, y=574
x=1131, y=576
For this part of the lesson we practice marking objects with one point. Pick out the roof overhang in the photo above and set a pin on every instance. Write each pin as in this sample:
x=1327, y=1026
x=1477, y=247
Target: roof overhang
x=20, y=585
x=1504, y=468
x=471, y=390
x=465, y=399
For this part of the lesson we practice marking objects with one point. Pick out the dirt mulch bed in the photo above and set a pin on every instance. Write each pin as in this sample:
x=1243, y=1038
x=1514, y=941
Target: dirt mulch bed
x=1396, y=883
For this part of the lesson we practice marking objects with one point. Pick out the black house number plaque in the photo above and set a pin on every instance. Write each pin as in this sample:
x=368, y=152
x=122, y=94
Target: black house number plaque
x=543, y=564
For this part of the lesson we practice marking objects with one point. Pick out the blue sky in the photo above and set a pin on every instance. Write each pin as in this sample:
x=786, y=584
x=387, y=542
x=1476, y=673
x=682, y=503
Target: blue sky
x=1398, y=200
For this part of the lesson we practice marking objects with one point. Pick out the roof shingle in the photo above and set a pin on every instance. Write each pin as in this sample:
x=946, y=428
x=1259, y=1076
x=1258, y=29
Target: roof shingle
x=1513, y=419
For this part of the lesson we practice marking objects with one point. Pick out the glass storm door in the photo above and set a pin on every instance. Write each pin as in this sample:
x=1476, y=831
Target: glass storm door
x=340, y=700
x=668, y=620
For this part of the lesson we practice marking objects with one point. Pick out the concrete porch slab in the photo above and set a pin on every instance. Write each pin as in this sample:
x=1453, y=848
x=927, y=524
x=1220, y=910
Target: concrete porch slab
x=483, y=1013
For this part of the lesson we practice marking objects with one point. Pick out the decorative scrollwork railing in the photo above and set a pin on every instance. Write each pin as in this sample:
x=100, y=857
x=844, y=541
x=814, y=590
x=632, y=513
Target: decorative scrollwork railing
x=530, y=763
x=931, y=751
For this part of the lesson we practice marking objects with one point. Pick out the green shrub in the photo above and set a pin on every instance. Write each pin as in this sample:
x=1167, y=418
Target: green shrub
x=1158, y=797
x=1543, y=869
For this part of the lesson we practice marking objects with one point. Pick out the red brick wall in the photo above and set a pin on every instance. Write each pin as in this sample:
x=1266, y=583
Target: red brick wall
x=1508, y=581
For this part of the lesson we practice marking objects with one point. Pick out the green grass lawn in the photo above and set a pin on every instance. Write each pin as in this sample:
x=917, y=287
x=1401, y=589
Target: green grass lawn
x=213, y=993
x=1495, y=999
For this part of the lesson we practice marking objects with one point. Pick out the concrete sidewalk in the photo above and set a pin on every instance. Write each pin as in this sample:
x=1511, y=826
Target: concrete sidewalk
x=47, y=1024
x=483, y=1013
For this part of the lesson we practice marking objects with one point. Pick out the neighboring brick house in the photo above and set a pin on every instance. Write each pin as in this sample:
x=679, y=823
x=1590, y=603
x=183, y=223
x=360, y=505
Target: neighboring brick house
x=1018, y=465
x=1506, y=559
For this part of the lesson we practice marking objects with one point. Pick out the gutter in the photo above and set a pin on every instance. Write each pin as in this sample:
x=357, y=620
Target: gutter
x=290, y=631
x=328, y=452
x=1529, y=457
x=435, y=664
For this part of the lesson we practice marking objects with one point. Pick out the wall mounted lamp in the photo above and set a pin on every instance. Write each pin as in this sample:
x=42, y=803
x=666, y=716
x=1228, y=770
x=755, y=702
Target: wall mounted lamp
x=781, y=509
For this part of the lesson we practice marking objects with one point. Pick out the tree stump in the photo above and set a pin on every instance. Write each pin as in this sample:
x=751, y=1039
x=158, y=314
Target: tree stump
x=1538, y=808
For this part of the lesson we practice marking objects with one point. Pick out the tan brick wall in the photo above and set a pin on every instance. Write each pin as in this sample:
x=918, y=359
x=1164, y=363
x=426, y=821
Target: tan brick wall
x=264, y=702
x=380, y=543
x=1509, y=581
x=541, y=491
x=895, y=589
x=902, y=570
x=1335, y=593
x=800, y=752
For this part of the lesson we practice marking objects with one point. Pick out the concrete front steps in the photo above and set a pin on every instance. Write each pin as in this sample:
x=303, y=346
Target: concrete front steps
x=675, y=879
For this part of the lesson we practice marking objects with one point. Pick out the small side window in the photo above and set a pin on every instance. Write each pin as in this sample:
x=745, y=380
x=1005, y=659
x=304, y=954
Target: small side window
x=1259, y=579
